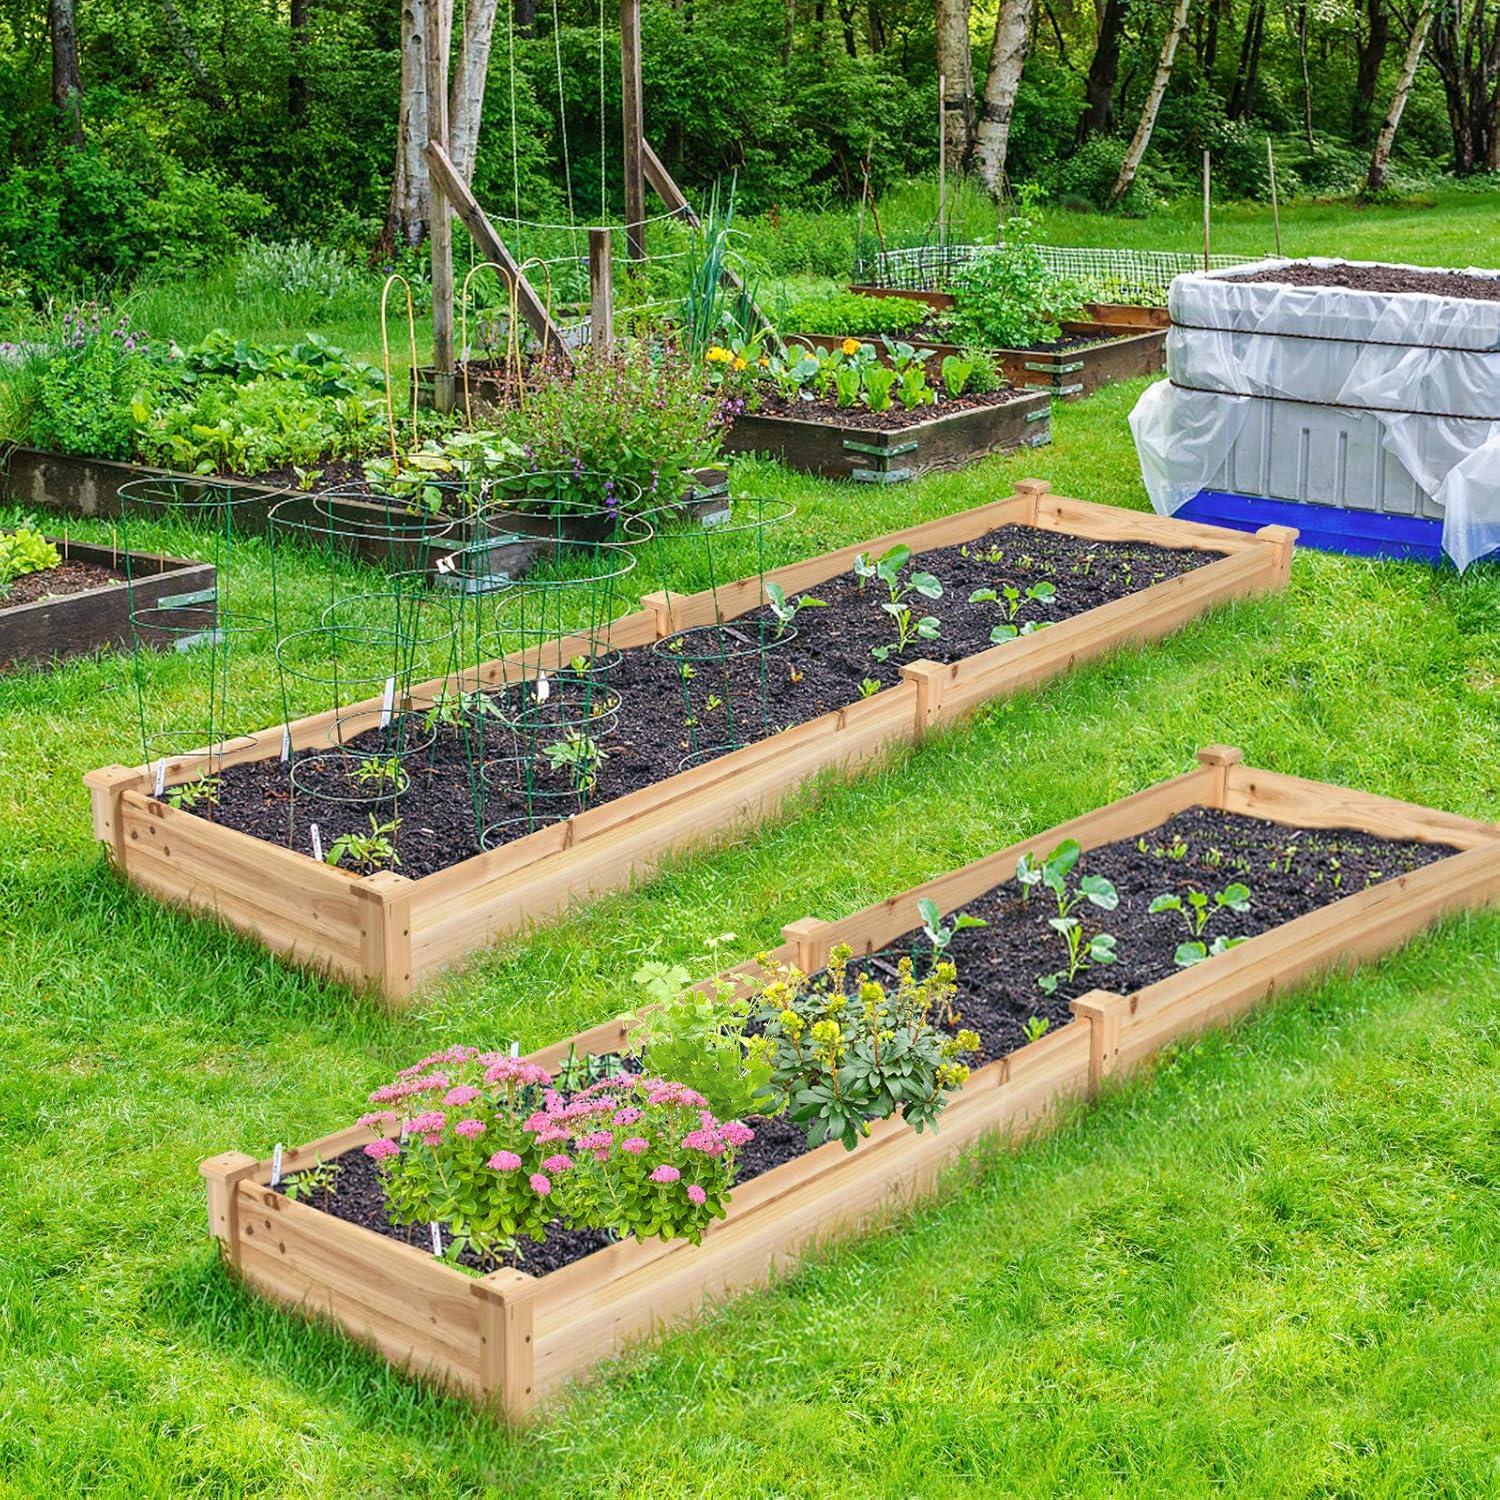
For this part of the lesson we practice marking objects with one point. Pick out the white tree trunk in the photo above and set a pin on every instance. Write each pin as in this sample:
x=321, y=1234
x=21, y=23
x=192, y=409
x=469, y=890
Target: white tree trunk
x=1007, y=59
x=955, y=62
x=466, y=89
x=406, y=214
x=1176, y=29
x=1380, y=158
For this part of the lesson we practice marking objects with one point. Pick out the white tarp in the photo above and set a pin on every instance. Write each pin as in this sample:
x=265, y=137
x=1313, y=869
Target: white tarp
x=1420, y=364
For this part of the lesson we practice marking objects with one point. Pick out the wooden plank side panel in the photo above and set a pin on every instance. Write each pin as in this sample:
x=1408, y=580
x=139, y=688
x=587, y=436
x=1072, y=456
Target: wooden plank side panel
x=1315, y=804
x=1115, y=523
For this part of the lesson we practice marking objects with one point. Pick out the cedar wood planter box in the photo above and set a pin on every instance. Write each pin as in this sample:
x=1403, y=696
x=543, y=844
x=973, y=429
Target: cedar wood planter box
x=77, y=624
x=881, y=456
x=1068, y=374
x=508, y=1339
x=386, y=932
x=91, y=487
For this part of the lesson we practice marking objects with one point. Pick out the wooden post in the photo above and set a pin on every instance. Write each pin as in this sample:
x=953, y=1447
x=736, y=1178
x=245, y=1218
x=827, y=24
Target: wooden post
x=1034, y=490
x=1104, y=1011
x=634, y=128
x=506, y=1363
x=1285, y=538
x=1220, y=758
x=929, y=677
x=223, y=1174
x=386, y=933
x=803, y=936
x=439, y=214
x=601, y=291
x=1205, y=209
x=1275, y=207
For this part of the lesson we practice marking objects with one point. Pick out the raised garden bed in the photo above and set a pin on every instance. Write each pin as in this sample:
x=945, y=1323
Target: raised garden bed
x=83, y=486
x=1335, y=876
x=85, y=604
x=1089, y=355
x=847, y=444
x=1366, y=395
x=387, y=931
x=1116, y=314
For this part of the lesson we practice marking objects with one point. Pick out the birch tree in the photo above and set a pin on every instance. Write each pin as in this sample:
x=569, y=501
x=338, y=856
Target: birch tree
x=1176, y=30
x=1007, y=59
x=956, y=65
x=1380, y=158
x=466, y=88
x=406, y=213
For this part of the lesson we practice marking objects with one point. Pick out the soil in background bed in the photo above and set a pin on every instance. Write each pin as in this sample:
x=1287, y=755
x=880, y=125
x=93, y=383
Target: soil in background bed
x=54, y=583
x=1290, y=872
x=818, y=669
x=895, y=419
x=1387, y=279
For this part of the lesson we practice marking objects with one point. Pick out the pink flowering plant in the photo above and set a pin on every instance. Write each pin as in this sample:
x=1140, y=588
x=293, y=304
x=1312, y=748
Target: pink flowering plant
x=645, y=1157
x=483, y=1144
x=461, y=1155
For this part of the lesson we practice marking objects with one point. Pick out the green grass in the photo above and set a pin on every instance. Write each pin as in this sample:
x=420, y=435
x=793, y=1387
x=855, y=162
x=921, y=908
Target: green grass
x=1268, y=1267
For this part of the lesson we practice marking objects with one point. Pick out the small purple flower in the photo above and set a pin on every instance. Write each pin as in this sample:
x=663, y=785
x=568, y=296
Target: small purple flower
x=665, y=1173
x=696, y=1194
x=469, y=1129
x=503, y=1161
x=381, y=1150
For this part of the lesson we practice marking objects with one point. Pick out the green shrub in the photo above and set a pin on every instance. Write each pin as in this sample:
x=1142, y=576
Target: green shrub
x=851, y=315
x=22, y=551
x=297, y=268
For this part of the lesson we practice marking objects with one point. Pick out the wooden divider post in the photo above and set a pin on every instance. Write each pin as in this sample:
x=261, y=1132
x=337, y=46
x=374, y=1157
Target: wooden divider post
x=1104, y=1011
x=1219, y=758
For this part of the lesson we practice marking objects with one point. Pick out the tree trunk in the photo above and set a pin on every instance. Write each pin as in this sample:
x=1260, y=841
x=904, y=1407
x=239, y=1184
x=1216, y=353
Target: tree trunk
x=1380, y=160
x=406, y=214
x=67, y=81
x=1307, y=110
x=466, y=88
x=846, y=21
x=296, y=83
x=187, y=48
x=1099, y=89
x=1176, y=30
x=1242, y=94
x=1216, y=9
x=955, y=63
x=1372, y=50
x=525, y=16
x=1007, y=59
x=875, y=20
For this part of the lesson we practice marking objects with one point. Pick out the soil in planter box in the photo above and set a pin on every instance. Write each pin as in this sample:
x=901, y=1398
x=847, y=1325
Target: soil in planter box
x=895, y=419
x=1289, y=871
x=668, y=721
x=53, y=583
x=1389, y=279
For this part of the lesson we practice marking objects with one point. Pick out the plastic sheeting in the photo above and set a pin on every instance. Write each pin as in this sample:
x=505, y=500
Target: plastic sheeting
x=1426, y=368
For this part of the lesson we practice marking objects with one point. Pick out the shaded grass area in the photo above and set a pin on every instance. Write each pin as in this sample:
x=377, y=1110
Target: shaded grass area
x=1270, y=1267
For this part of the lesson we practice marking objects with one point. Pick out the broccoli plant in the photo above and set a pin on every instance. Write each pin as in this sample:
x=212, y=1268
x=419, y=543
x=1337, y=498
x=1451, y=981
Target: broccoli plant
x=1053, y=874
x=786, y=610
x=939, y=933
x=888, y=569
x=1197, y=910
x=1009, y=598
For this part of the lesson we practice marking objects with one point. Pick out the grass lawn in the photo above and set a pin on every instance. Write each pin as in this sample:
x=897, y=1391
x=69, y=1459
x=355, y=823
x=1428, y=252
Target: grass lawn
x=1271, y=1266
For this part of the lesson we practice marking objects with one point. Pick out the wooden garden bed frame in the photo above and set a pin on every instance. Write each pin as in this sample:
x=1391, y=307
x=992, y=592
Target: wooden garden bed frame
x=508, y=1340
x=1122, y=315
x=1067, y=374
x=80, y=623
x=887, y=456
x=386, y=932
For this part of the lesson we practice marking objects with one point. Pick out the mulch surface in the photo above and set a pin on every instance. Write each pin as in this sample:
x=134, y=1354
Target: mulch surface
x=1289, y=872
x=895, y=419
x=675, y=708
x=1388, y=279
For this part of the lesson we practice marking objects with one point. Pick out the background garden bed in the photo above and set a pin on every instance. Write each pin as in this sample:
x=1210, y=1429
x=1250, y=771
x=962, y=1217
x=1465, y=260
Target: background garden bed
x=178, y=594
x=386, y=931
x=508, y=1339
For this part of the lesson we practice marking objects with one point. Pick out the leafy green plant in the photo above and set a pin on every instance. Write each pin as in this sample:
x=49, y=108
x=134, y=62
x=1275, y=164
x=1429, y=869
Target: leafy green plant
x=295, y=268
x=844, y=1056
x=914, y=389
x=909, y=626
x=1188, y=954
x=1036, y=1028
x=25, y=550
x=317, y=1181
x=378, y=771
x=957, y=373
x=1054, y=874
x=848, y=381
x=939, y=933
x=367, y=852
x=869, y=686
x=1197, y=910
x=580, y=756
x=200, y=792
x=1010, y=598
x=849, y=314
x=878, y=383
x=786, y=610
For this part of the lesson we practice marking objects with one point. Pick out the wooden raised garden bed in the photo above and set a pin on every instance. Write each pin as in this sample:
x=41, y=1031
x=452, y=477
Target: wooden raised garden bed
x=509, y=1339
x=387, y=932
x=1118, y=314
x=1067, y=373
x=178, y=595
x=82, y=486
x=843, y=449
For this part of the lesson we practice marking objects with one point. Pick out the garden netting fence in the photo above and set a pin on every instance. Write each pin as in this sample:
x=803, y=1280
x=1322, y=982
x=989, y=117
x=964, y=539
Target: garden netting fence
x=1112, y=275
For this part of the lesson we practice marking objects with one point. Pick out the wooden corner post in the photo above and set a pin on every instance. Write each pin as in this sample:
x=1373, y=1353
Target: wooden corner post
x=385, y=926
x=223, y=1175
x=1219, y=758
x=507, y=1377
x=803, y=936
x=1285, y=540
x=1033, y=490
x=1104, y=1011
x=929, y=677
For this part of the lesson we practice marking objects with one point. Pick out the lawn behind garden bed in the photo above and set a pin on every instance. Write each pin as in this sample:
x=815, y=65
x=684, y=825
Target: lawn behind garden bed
x=1268, y=1267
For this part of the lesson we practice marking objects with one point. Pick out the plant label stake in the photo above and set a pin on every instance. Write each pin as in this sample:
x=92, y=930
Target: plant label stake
x=161, y=776
x=317, y=842
x=543, y=688
x=286, y=745
x=515, y=1049
x=437, y=1239
x=389, y=701
x=276, y=1165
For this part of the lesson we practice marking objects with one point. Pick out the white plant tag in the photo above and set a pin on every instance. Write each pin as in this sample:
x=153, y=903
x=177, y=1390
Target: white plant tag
x=405, y=1126
x=161, y=776
x=286, y=745
x=515, y=1049
x=276, y=1165
x=437, y=1240
x=543, y=688
x=317, y=843
x=446, y=564
x=390, y=698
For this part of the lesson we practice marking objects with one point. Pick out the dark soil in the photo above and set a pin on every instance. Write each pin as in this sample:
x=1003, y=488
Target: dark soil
x=53, y=583
x=934, y=333
x=345, y=473
x=895, y=419
x=665, y=722
x=1289, y=872
x=1388, y=279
